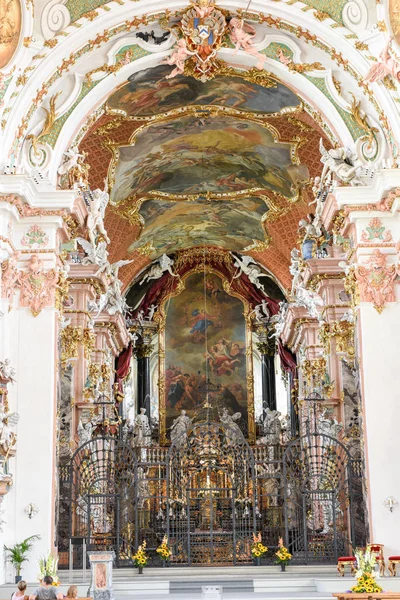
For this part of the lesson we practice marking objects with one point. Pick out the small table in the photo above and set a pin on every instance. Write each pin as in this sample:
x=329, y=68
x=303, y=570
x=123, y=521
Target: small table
x=371, y=596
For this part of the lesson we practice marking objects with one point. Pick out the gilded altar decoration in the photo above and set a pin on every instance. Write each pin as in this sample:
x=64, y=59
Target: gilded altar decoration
x=376, y=231
x=376, y=282
x=35, y=236
x=37, y=286
x=10, y=28
x=343, y=334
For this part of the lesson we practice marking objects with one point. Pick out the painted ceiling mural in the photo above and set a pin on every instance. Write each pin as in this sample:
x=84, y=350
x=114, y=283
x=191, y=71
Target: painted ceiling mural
x=148, y=92
x=10, y=28
x=178, y=225
x=190, y=155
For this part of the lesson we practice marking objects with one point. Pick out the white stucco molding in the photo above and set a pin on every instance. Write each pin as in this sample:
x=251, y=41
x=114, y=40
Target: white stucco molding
x=37, y=195
x=383, y=182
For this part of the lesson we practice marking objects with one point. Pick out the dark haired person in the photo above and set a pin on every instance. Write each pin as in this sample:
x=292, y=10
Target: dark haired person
x=47, y=591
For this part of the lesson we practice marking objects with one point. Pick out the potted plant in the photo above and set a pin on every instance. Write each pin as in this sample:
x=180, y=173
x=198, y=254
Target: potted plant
x=258, y=549
x=164, y=551
x=48, y=565
x=283, y=556
x=140, y=558
x=17, y=554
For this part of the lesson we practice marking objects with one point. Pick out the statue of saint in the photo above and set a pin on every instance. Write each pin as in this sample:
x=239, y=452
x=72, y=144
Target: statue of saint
x=141, y=429
x=180, y=428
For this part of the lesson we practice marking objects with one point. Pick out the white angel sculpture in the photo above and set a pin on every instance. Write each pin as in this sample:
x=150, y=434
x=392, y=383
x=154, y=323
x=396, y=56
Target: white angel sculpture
x=75, y=168
x=163, y=264
x=242, y=35
x=97, y=209
x=339, y=162
x=95, y=254
x=248, y=266
x=279, y=319
x=261, y=312
x=113, y=301
x=112, y=270
x=7, y=372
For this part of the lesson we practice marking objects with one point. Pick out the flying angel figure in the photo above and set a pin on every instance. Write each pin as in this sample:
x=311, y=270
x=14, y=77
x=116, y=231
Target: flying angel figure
x=96, y=255
x=112, y=270
x=163, y=264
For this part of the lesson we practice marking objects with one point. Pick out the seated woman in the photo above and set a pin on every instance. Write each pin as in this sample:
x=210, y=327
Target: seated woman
x=72, y=592
x=20, y=593
x=47, y=591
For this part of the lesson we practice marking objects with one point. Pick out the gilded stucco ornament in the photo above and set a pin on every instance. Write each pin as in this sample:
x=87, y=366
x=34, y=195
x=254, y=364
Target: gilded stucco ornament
x=376, y=282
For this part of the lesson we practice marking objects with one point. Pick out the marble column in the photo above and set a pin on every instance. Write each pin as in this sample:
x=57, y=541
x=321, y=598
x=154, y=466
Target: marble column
x=267, y=348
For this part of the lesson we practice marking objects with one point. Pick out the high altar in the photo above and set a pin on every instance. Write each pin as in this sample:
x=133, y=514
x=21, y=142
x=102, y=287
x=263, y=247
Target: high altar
x=199, y=299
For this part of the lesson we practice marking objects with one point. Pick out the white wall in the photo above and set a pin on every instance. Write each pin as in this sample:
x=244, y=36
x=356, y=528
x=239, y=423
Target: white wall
x=34, y=398
x=380, y=335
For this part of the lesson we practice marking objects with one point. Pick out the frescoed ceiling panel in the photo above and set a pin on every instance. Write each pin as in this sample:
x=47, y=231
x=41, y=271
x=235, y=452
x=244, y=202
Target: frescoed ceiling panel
x=190, y=155
x=148, y=92
x=172, y=226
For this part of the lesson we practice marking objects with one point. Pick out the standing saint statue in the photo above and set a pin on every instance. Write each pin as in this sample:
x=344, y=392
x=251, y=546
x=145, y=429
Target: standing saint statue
x=234, y=435
x=179, y=429
x=141, y=429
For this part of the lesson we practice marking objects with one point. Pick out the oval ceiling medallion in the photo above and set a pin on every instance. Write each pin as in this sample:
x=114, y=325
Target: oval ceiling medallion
x=10, y=29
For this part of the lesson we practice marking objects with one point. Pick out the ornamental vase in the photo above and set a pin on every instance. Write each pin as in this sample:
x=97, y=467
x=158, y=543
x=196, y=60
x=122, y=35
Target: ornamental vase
x=283, y=567
x=308, y=249
x=140, y=570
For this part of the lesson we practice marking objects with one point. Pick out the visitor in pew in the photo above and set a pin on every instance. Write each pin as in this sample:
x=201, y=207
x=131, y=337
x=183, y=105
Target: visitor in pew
x=20, y=593
x=47, y=591
x=72, y=592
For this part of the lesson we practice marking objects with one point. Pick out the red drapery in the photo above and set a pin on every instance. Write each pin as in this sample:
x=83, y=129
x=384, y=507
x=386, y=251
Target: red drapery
x=123, y=364
x=288, y=360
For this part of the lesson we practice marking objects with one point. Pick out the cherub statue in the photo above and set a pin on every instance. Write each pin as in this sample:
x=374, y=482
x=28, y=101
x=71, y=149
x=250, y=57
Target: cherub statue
x=242, y=35
x=85, y=432
x=75, y=168
x=150, y=313
x=338, y=162
x=261, y=312
x=163, y=264
x=387, y=64
x=248, y=266
x=203, y=8
x=279, y=319
x=97, y=209
x=7, y=372
x=309, y=300
x=180, y=53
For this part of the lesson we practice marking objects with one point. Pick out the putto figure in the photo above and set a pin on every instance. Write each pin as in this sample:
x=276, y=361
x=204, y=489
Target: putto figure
x=178, y=57
x=242, y=35
x=75, y=168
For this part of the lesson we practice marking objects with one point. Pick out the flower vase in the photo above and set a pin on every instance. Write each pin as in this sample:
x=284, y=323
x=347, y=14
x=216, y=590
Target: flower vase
x=18, y=578
x=140, y=570
x=257, y=561
x=283, y=567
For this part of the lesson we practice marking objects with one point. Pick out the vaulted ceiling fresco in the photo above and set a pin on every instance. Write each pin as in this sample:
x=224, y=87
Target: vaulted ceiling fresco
x=193, y=154
x=221, y=164
x=148, y=93
x=169, y=226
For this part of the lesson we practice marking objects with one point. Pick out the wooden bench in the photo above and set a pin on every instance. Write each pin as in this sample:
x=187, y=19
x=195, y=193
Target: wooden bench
x=372, y=596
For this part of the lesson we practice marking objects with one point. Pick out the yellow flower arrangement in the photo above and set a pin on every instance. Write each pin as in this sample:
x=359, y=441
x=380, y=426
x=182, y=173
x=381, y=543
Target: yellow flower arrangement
x=366, y=584
x=283, y=555
x=163, y=550
x=257, y=548
x=140, y=558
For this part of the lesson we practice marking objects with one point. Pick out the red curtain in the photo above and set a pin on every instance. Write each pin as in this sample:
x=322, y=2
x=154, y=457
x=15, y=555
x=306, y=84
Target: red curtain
x=123, y=364
x=288, y=360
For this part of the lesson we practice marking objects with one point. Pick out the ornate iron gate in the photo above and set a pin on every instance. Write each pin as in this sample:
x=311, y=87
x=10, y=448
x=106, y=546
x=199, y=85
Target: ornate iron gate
x=320, y=479
x=209, y=492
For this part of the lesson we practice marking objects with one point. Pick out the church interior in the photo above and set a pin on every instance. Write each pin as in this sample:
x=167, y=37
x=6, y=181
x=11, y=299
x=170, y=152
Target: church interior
x=199, y=299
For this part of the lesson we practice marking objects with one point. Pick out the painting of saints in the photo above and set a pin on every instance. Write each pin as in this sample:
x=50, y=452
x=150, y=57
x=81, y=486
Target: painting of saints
x=200, y=322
